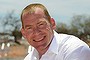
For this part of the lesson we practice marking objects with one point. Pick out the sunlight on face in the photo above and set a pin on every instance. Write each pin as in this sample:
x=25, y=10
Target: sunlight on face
x=38, y=31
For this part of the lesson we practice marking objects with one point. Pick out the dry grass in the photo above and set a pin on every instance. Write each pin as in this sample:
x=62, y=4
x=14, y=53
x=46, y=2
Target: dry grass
x=17, y=51
x=14, y=52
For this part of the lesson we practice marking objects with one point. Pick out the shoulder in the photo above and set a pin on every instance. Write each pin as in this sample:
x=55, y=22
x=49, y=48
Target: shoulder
x=72, y=47
x=71, y=40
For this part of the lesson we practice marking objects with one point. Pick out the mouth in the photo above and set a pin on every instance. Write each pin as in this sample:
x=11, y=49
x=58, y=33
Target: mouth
x=41, y=39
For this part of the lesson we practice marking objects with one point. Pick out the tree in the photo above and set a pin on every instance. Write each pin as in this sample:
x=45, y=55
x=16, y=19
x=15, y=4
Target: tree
x=62, y=28
x=11, y=24
x=80, y=26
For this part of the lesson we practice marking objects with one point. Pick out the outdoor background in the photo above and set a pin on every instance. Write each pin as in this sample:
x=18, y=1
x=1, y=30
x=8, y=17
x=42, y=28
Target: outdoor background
x=71, y=16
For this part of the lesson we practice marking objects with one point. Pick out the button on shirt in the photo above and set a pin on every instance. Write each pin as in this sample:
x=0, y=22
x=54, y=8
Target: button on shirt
x=63, y=47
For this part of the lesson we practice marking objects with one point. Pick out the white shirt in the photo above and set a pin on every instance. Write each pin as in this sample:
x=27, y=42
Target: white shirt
x=63, y=47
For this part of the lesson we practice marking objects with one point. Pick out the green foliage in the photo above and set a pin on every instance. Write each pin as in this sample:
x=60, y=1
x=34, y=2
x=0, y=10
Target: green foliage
x=80, y=26
x=11, y=24
x=62, y=28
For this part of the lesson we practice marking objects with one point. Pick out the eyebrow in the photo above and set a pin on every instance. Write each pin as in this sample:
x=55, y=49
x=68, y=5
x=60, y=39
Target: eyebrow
x=40, y=22
x=37, y=23
x=28, y=26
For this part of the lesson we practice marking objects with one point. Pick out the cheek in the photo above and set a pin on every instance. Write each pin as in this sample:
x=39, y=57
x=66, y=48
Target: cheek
x=49, y=33
x=28, y=37
x=49, y=29
x=30, y=41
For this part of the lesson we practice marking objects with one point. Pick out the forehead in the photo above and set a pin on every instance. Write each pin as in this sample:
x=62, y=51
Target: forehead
x=33, y=18
x=33, y=14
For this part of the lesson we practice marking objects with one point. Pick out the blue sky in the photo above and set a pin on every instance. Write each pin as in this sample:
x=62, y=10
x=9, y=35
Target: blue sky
x=60, y=10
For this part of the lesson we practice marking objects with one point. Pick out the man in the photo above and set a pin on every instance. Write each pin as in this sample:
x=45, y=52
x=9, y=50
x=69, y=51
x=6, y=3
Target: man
x=38, y=29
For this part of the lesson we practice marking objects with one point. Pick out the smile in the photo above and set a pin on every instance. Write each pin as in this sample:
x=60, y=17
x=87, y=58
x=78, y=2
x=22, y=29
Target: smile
x=40, y=39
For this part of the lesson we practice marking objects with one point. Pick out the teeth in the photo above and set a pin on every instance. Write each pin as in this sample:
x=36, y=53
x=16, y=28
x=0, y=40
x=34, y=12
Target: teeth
x=41, y=38
x=38, y=39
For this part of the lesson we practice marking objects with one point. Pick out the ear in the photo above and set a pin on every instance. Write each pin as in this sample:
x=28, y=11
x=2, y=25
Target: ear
x=23, y=32
x=53, y=23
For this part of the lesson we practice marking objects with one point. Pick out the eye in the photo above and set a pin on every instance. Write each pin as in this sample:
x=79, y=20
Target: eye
x=42, y=25
x=28, y=28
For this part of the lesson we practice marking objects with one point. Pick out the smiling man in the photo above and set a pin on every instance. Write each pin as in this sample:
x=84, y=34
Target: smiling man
x=38, y=29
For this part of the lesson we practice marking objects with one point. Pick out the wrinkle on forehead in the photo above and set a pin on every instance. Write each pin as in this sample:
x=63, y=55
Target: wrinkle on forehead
x=32, y=16
x=37, y=14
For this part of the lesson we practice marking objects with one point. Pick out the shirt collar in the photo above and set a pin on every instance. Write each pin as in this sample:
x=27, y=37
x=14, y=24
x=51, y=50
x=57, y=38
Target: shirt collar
x=35, y=54
x=54, y=44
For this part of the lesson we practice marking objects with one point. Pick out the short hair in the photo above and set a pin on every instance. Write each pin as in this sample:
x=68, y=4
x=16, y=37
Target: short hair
x=31, y=9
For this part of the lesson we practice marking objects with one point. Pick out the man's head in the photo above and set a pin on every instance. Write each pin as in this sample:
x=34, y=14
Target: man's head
x=37, y=26
x=34, y=8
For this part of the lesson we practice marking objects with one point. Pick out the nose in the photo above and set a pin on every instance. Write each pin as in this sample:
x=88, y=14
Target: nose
x=36, y=31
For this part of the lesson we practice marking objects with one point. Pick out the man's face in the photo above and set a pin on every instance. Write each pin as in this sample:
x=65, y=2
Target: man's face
x=37, y=30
